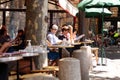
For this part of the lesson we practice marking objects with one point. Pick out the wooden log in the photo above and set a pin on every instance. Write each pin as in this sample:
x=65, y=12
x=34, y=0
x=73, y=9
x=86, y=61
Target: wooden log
x=88, y=50
x=69, y=69
x=84, y=55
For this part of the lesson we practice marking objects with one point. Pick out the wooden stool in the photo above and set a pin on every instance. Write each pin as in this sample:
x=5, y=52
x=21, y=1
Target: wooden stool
x=95, y=51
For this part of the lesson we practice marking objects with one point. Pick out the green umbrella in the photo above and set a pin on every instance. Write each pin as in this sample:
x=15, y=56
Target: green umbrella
x=83, y=4
x=96, y=12
x=101, y=4
x=104, y=3
x=98, y=3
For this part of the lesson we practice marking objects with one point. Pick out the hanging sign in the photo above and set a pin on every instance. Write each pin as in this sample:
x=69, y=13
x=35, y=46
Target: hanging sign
x=67, y=6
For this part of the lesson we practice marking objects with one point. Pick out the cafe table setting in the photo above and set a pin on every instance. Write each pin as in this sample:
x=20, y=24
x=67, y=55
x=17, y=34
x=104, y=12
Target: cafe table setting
x=17, y=57
x=64, y=44
x=6, y=58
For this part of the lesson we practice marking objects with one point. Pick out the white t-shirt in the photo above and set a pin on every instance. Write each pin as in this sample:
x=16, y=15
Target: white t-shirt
x=53, y=39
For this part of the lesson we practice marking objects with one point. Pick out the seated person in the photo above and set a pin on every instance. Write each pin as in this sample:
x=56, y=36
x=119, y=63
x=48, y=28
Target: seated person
x=65, y=34
x=53, y=55
x=4, y=37
x=19, y=41
x=52, y=39
x=77, y=37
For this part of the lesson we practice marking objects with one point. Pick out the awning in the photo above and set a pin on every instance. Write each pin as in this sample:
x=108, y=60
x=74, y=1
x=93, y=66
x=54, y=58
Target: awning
x=67, y=6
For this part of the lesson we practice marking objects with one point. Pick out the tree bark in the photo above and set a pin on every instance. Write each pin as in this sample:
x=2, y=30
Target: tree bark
x=36, y=25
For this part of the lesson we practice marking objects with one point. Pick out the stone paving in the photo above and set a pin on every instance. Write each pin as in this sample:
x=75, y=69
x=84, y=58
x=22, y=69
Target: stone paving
x=110, y=71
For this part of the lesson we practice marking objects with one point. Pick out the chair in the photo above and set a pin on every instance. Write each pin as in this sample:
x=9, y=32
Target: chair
x=95, y=52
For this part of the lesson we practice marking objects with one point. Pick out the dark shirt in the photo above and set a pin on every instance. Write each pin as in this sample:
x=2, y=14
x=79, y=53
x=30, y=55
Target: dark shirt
x=21, y=42
x=61, y=37
x=4, y=39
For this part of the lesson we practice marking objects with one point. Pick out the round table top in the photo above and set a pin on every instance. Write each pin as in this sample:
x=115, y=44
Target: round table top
x=60, y=46
x=86, y=42
x=76, y=43
x=10, y=58
x=29, y=54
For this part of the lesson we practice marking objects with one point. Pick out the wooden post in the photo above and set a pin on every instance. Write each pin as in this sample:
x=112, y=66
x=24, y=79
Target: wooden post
x=69, y=69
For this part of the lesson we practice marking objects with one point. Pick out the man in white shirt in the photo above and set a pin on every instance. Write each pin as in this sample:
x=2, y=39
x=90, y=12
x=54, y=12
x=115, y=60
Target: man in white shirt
x=51, y=37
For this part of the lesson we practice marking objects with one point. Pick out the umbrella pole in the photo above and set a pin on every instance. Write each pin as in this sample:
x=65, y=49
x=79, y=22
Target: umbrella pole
x=103, y=55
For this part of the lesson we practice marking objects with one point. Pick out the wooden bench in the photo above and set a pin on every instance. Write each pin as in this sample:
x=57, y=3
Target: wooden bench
x=34, y=73
x=48, y=69
x=95, y=52
x=34, y=76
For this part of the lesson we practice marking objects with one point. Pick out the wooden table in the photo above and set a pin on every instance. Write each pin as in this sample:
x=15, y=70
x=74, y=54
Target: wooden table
x=10, y=59
x=77, y=43
x=86, y=42
x=60, y=48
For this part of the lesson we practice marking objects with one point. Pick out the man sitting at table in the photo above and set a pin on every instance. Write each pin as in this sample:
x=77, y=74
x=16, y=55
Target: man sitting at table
x=52, y=39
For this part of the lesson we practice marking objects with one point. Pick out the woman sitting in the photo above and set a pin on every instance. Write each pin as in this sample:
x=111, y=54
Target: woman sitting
x=19, y=41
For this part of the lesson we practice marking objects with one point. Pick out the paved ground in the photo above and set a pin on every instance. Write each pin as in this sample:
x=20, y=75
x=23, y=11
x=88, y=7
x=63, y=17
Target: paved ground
x=110, y=71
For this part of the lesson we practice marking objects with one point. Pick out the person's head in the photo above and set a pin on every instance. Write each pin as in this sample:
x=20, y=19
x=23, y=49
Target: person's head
x=3, y=30
x=20, y=32
x=65, y=26
x=65, y=31
x=54, y=28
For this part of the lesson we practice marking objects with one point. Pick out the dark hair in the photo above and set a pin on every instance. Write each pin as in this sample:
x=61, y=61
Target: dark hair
x=64, y=29
x=3, y=30
x=20, y=31
x=64, y=25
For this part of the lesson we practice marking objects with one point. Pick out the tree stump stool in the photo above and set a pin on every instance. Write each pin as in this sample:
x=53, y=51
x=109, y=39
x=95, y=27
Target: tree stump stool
x=69, y=69
x=85, y=57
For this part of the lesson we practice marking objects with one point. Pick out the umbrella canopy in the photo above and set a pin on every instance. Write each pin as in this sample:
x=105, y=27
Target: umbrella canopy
x=83, y=4
x=98, y=3
x=104, y=3
x=101, y=4
x=96, y=12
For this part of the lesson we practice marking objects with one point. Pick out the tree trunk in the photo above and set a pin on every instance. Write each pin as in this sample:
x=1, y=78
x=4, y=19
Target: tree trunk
x=36, y=25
